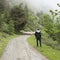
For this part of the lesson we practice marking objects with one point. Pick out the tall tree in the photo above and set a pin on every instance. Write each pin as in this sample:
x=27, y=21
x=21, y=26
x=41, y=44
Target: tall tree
x=18, y=15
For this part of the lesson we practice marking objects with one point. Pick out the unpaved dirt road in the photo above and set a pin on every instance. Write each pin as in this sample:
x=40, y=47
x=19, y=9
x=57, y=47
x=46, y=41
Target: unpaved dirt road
x=19, y=49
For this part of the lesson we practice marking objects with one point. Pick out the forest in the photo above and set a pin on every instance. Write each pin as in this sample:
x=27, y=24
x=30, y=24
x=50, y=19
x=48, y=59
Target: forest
x=21, y=17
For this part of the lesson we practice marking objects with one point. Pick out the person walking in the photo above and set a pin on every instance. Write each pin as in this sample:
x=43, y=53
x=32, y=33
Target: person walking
x=38, y=37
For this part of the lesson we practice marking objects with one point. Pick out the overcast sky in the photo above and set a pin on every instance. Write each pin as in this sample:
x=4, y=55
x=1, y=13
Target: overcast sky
x=44, y=5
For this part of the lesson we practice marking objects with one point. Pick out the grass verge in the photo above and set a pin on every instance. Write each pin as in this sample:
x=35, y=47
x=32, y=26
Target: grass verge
x=49, y=52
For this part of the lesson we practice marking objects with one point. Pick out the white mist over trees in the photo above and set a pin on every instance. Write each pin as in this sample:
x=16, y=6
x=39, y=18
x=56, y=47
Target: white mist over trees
x=37, y=5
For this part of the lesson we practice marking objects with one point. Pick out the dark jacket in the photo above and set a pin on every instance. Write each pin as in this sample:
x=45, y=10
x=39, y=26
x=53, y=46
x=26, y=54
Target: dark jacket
x=38, y=35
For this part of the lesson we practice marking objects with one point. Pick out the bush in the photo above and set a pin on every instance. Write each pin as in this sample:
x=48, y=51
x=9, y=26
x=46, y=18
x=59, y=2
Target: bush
x=11, y=27
x=4, y=27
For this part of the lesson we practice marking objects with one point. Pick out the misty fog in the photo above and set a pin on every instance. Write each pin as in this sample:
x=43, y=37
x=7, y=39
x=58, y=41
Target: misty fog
x=38, y=5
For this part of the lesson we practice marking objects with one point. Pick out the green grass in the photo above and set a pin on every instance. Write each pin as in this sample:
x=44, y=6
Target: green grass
x=48, y=51
x=4, y=39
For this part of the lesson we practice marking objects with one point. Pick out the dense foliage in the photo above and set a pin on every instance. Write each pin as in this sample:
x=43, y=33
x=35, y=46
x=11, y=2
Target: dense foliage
x=12, y=20
x=32, y=22
x=20, y=17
